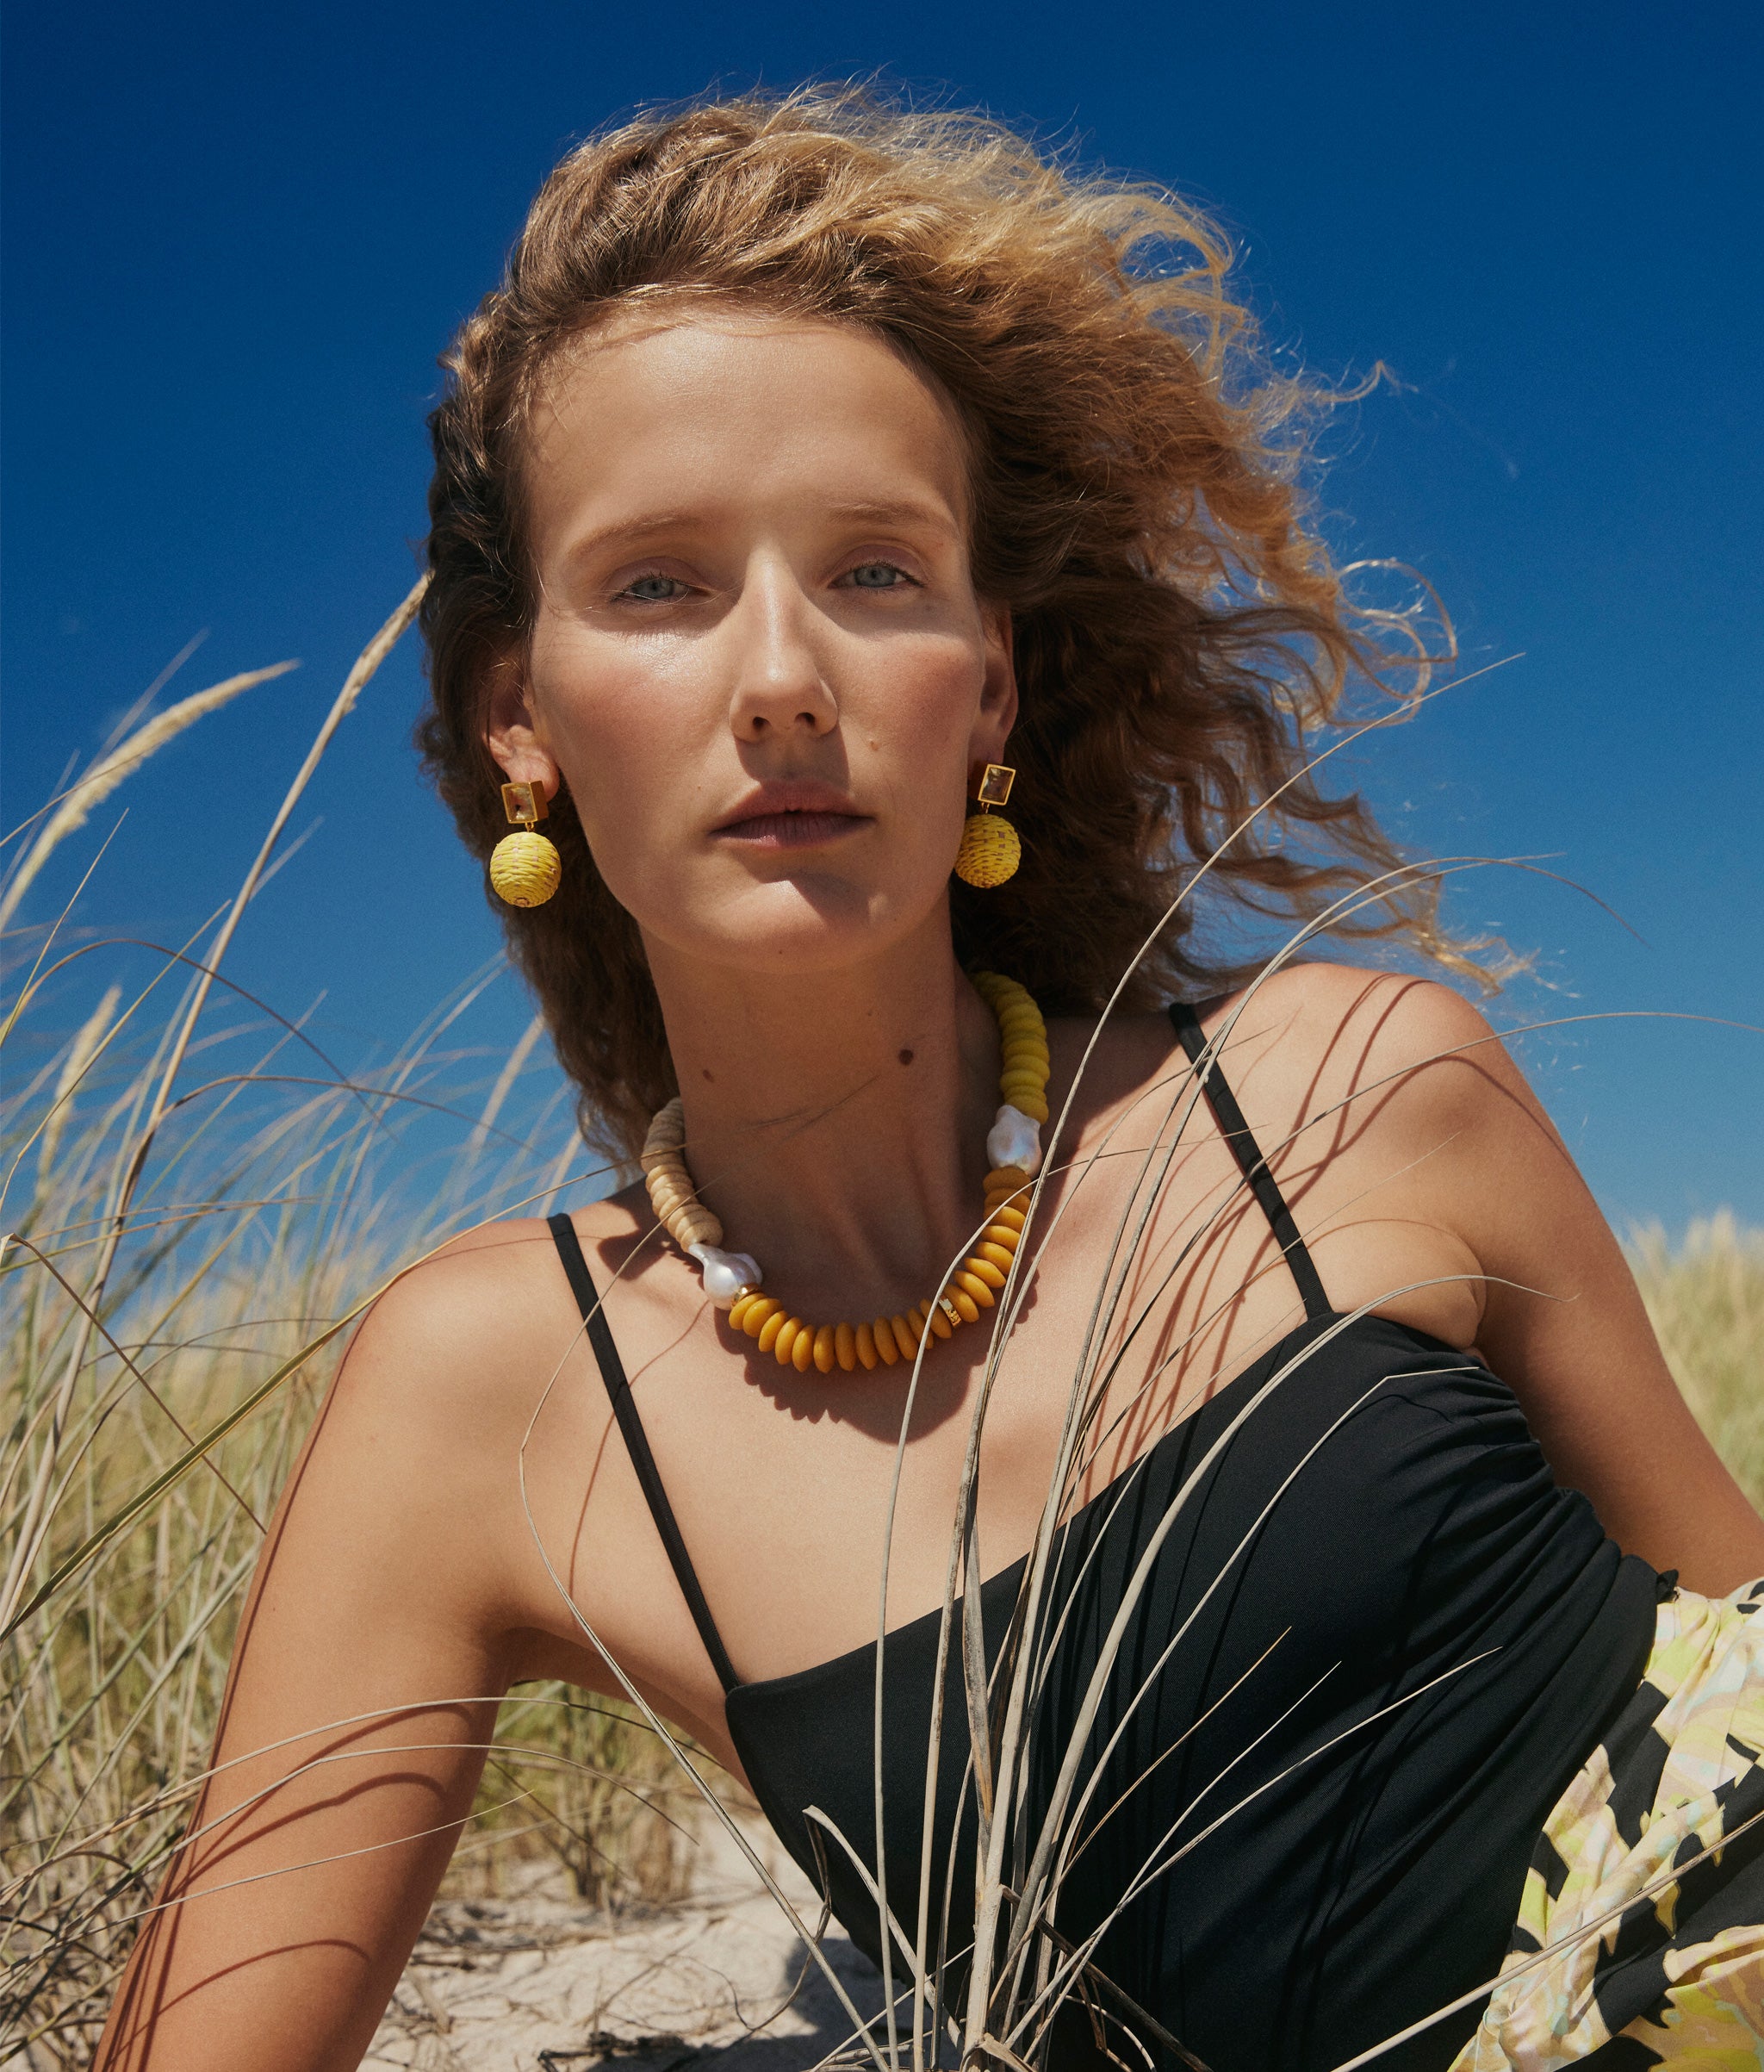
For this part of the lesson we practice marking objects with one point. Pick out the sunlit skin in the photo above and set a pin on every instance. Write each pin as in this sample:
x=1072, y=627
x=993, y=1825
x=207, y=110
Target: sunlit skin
x=760, y=669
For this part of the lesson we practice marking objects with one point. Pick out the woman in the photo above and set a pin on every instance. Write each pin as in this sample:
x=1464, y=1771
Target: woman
x=816, y=467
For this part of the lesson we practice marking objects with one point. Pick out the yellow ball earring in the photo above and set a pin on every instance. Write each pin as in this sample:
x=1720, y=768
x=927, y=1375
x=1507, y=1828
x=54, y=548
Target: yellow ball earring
x=990, y=851
x=525, y=868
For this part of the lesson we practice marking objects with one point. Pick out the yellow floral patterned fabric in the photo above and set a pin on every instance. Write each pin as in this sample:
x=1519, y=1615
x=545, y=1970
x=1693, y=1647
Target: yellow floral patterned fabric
x=1640, y=1939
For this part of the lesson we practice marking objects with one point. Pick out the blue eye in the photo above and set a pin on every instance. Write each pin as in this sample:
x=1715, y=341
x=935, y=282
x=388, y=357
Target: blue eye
x=652, y=589
x=877, y=576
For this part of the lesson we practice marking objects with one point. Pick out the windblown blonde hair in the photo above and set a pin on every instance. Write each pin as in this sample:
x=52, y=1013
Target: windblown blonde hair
x=1180, y=634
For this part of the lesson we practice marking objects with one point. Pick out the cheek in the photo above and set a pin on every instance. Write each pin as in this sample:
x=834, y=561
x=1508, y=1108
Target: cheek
x=630, y=738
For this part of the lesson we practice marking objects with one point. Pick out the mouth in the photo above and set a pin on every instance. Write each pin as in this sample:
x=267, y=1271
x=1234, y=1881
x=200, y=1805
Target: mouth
x=786, y=817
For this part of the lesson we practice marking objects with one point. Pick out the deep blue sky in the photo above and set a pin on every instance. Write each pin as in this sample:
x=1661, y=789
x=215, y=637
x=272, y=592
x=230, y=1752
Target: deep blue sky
x=236, y=239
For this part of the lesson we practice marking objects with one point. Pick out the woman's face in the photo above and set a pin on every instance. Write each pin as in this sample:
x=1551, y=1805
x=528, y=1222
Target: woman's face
x=759, y=664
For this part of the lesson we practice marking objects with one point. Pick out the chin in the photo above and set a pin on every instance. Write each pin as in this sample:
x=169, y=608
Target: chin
x=811, y=923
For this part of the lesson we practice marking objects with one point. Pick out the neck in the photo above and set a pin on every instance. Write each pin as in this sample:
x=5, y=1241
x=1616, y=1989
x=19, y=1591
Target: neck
x=837, y=1121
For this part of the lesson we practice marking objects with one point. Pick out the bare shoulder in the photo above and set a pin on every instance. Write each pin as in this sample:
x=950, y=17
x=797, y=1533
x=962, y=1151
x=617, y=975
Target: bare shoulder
x=1315, y=1040
x=455, y=1334
x=406, y=1503
x=1370, y=1045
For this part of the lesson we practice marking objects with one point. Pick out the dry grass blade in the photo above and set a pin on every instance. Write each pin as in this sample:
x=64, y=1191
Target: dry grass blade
x=106, y=774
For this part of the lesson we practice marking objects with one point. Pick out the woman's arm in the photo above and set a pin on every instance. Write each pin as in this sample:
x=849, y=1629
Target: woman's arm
x=364, y=1680
x=1563, y=1322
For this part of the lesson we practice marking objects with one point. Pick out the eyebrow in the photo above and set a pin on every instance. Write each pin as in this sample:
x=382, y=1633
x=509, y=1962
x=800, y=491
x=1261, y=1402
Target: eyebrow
x=886, y=510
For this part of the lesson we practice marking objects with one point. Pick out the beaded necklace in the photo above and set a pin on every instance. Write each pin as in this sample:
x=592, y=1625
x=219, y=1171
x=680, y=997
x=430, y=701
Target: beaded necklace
x=1013, y=1153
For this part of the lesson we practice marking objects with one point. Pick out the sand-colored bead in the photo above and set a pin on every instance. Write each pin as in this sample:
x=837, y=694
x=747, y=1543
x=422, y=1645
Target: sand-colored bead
x=864, y=1344
x=845, y=1347
x=887, y=1346
x=823, y=1352
x=985, y=1271
x=784, y=1344
x=998, y=1257
x=802, y=1351
x=772, y=1329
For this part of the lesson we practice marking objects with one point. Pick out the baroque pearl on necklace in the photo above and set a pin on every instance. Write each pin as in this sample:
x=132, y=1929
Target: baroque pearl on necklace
x=1013, y=1149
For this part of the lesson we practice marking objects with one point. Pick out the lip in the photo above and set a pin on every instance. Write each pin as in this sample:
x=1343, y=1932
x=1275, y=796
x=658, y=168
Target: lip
x=798, y=813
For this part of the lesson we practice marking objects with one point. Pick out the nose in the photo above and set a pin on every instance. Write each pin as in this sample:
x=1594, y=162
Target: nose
x=781, y=687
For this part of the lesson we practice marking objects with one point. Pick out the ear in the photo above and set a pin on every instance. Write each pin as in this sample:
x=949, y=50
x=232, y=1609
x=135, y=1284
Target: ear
x=514, y=732
x=998, y=697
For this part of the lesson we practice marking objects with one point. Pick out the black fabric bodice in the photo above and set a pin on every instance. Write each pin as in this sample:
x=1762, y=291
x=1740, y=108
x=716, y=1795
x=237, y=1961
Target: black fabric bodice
x=1345, y=1846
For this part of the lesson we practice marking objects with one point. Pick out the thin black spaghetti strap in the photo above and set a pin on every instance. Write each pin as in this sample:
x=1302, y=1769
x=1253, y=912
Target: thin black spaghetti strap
x=636, y=1444
x=1251, y=1162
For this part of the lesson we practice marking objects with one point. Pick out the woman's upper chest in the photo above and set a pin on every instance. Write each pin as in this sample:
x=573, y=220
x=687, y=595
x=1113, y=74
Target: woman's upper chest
x=1153, y=1278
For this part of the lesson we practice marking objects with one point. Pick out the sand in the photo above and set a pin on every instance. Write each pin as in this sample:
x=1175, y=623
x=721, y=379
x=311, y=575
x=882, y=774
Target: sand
x=536, y=1982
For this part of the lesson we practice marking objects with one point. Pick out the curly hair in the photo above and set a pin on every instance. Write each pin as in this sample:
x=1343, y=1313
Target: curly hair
x=1179, y=631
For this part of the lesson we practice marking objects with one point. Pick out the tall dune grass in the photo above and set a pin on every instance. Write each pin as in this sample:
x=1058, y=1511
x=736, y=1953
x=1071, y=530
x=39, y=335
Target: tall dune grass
x=197, y=1215
x=1706, y=1295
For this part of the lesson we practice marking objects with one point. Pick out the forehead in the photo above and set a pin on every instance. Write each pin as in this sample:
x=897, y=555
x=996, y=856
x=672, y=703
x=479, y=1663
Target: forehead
x=715, y=410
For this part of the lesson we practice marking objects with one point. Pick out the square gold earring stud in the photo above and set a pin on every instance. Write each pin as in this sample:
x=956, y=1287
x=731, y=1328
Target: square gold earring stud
x=994, y=787
x=525, y=804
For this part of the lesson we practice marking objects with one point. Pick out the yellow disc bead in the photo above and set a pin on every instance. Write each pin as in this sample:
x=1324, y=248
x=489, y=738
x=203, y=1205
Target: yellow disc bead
x=845, y=1347
x=1009, y=1219
x=973, y=1286
x=802, y=1350
x=761, y=1311
x=1023, y=1059
x=784, y=1344
x=939, y=1321
x=985, y=1270
x=907, y=1331
x=882, y=1337
x=772, y=1329
x=998, y=1257
x=990, y=851
x=961, y=1302
x=525, y=869
x=823, y=1352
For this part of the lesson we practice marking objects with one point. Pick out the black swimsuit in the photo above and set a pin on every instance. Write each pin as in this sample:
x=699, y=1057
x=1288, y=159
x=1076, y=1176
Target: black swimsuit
x=1418, y=1641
